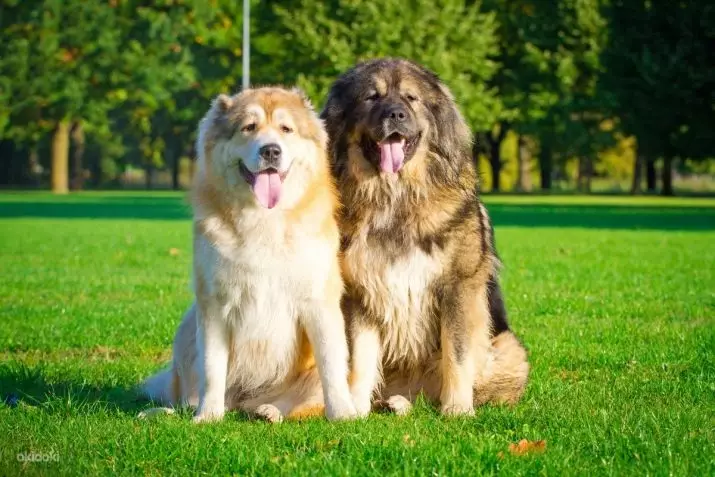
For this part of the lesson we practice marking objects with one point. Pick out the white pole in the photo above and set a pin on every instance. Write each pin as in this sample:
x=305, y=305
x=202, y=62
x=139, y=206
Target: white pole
x=246, y=44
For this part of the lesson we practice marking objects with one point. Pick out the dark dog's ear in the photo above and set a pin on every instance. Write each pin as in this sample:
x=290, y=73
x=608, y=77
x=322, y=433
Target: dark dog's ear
x=333, y=113
x=450, y=137
x=333, y=116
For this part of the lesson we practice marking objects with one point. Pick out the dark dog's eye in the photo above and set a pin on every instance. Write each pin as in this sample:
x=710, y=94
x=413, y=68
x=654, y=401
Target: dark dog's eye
x=286, y=129
x=373, y=97
x=411, y=98
x=249, y=127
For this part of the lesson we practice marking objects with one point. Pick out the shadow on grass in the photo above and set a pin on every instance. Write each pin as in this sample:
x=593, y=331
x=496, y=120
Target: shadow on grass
x=27, y=386
x=23, y=385
x=517, y=215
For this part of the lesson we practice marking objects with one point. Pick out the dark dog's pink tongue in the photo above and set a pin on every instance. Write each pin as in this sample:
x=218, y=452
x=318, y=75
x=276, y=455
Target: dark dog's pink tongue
x=267, y=188
x=392, y=155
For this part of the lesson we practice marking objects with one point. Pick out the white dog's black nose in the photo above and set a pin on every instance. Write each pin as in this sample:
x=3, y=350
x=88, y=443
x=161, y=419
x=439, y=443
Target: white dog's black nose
x=270, y=155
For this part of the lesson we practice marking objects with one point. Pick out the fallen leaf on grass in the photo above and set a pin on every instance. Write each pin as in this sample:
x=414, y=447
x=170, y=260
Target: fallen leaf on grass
x=526, y=447
x=174, y=252
x=408, y=441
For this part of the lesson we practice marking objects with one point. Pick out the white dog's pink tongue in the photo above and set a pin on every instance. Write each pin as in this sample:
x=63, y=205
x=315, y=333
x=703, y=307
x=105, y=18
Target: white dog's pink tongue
x=267, y=188
x=392, y=155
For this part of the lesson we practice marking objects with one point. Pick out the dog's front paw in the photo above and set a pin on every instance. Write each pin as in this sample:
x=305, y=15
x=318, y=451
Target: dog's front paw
x=454, y=410
x=269, y=413
x=363, y=405
x=398, y=404
x=208, y=414
x=340, y=409
x=362, y=401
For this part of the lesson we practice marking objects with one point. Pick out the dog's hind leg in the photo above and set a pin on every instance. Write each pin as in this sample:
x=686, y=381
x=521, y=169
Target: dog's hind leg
x=300, y=399
x=402, y=389
x=504, y=380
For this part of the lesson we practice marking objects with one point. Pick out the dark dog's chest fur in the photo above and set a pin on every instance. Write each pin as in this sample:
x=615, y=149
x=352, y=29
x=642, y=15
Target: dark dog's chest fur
x=400, y=255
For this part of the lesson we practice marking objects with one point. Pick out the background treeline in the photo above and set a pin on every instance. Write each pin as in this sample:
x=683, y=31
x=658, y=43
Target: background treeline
x=561, y=94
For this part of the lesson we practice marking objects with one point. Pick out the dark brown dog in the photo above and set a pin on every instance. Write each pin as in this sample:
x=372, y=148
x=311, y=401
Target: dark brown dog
x=423, y=304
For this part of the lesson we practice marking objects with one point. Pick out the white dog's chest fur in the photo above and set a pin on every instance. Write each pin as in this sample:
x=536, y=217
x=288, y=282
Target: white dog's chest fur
x=262, y=287
x=400, y=293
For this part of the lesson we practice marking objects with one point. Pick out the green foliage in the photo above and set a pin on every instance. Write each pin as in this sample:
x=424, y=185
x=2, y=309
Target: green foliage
x=571, y=75
x=56, y=64
x=452, y=37
x=656, y=71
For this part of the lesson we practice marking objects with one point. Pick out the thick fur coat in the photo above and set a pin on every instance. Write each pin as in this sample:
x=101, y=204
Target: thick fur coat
x=265, y=332
x=424, y=308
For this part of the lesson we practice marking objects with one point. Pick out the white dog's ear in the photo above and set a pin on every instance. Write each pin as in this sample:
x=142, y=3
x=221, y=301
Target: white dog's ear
x=304, y=97
x=223, y=102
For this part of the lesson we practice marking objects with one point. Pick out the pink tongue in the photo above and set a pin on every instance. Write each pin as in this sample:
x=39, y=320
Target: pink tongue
x=267, y=188
x=392, y=155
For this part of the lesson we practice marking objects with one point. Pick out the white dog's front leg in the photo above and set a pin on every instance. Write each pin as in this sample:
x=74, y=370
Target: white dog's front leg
x=326, y=332
x=212, y=342
x=366, y=364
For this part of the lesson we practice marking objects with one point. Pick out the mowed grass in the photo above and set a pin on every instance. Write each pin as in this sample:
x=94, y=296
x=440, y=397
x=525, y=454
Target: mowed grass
x=614, y=298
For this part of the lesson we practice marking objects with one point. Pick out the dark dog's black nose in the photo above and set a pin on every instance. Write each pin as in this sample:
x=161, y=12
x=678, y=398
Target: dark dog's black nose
x=270, y=154
x=395, y=112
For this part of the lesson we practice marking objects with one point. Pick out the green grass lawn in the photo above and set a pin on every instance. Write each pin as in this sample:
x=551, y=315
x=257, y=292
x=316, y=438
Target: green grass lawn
x=614, y=298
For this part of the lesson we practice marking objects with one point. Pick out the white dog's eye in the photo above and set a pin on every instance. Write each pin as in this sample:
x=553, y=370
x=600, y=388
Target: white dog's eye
x=374, y=96
x=411, y=98
x=249, y=127
x=286, y=129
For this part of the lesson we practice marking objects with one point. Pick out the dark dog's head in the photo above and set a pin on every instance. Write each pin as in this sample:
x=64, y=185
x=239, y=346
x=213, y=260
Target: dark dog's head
x=385, y=113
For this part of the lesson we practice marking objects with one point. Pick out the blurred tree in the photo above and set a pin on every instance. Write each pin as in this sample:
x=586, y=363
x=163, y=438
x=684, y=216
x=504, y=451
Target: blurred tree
x=658, y=71
x=56, y=66
x=124, y=82
x=208, y=37
x=451, y=37
x=521, y=80
x=549, y=58
x=159, y=37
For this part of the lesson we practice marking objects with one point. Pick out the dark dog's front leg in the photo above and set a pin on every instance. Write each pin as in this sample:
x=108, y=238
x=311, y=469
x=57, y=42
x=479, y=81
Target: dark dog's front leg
x=465, y=346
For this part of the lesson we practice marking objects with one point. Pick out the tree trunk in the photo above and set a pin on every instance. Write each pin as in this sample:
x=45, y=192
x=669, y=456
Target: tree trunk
x=589, y=174
x=172, y=156
x=496, y=164
x=95, y=167
x=585, y=174
x=650, y=175
x=78, y=143
x=667, y=175
x=149, y=176
x=175, y=173
x=477, y=149
x=637, y=173
x=523, y=183
x=583, y=181
x=33, y=166
x=545, y=167
x=7, y=151
x=494, y=142
x=60, y=157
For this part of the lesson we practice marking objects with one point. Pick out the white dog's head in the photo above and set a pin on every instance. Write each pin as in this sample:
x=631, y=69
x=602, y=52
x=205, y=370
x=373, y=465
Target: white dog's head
x=266, y=140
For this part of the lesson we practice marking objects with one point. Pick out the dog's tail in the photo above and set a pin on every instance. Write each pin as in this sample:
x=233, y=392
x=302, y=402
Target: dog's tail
x=163, y=387
x=505, y=380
